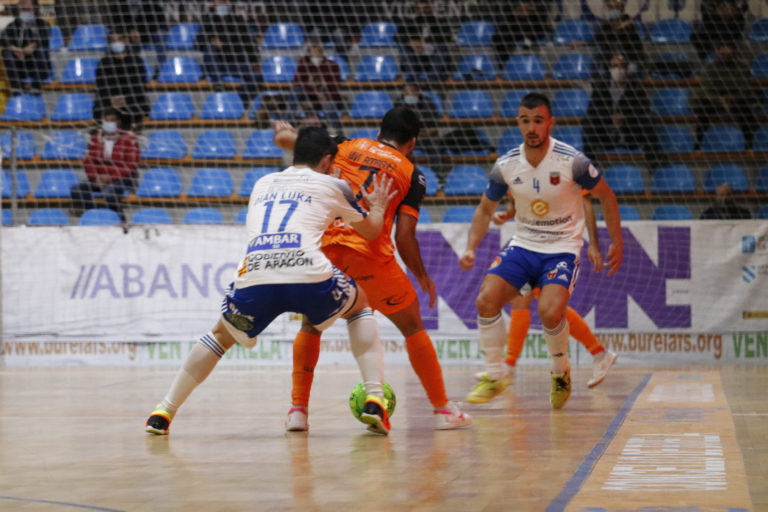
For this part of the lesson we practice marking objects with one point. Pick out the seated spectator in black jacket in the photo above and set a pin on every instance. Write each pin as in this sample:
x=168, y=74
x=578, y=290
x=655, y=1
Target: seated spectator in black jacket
x=121, y=82
x=725, y=206
x=523, y=23
x=143, y=21
x=423, y=105
x=618, y=34
x=419, y=59
x=618, y=115
x=25, y=48
x=722, y=21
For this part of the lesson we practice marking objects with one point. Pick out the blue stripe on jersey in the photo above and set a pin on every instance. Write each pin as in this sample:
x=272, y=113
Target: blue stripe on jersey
x=565, y=151
x=495, y=190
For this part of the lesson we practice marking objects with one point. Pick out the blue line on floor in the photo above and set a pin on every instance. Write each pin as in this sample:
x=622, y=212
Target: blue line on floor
x=61, y=503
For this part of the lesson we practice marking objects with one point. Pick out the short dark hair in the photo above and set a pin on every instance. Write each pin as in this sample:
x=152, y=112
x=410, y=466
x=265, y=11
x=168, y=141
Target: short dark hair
x=312, y=144
x=400, y=124
x=534, y=100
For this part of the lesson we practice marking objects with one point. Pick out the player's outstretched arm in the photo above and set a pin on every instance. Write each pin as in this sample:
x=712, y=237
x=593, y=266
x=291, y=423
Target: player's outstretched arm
x=377, y=201
x=285, y=135
x=613, y=222
x=477, y=231
x=593, y=251
x=408, y=248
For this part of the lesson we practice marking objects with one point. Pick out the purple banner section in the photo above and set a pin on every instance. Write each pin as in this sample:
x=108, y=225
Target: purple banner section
x=639, y=278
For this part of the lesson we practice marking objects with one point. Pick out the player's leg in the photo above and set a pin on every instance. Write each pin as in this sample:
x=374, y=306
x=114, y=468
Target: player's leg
x=602, y=359
x=519, y=322
x=306, y=352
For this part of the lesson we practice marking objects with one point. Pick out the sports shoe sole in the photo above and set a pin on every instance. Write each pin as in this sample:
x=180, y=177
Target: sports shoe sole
x=374, y=423
x=613, y=357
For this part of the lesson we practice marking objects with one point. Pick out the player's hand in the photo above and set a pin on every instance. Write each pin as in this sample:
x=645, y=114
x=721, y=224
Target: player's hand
x=428, y=286
x=500, y=218
x=467, y=260
x=380, y=194
x=614, y=256
x=593, y=253
x=279, y=126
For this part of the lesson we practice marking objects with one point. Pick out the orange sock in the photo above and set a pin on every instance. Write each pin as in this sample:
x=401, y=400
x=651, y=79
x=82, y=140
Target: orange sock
x=306, y=352
x=519, y=322
x=581, y=331
x=424, y=361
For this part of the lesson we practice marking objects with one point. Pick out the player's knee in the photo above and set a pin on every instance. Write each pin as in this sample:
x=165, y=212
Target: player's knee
x=551, y=316
x=486, y=306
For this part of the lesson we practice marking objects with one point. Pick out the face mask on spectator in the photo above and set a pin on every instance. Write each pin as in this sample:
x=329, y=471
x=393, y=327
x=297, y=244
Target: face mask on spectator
x=117, y=46
x=109, y=127
x=222, y=10
x=613, y=14
x=26, y=16
x=411, y=100
x=316, y=61
x=618, y=75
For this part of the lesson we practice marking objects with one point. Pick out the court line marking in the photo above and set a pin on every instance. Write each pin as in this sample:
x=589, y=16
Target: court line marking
x=574, y=484
x=63, y=503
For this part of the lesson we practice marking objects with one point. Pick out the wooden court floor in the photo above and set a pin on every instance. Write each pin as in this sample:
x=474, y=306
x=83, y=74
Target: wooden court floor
x=72, y=438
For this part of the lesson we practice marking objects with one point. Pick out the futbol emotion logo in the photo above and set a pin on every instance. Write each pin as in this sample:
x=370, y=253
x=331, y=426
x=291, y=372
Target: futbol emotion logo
x=540, y=208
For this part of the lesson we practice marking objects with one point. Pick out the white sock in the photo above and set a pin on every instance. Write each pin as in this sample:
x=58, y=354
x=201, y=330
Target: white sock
x=557, y=343
x=368, y=350
x=492, y=337
x=200, y=361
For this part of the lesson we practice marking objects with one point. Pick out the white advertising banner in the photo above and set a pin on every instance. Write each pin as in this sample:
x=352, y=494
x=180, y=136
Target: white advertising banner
x=686, y=292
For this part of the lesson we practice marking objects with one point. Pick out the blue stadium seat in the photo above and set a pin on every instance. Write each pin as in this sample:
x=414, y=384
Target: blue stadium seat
x=465, y=180
x=475, y=33
x=99, y=217
x=570, y=103
x=431, y=177
x=671, y=102
x=484, y=149
x=180, y=69
x=761, y=182
x=471, y=105
x=758, y=32
x=222, y=105
x=458, y=214
x=278, y=69
x=260, y=145
x=65, y=145
x=182, y=36
x=148, y=69
x=370, y=104
x=723, y=139
x=56, y=41
x=671, y=30
x=759, y=68
x=343, y=66
x=172, y=106
x=624, y=179
x=7, y=217
x=203, y=216
x=675, y=139
x=215, y=144
x=22, y=183
x=511, y=102
x=731, y=174
x=673, y=179
x=759, y=141
x=89, y=38
x=365, y=133
x=80, y=70
x=160, y=182
x=165, y=144
x=26, y=148
x=475, y=67
x=509, y=139
x=572, y=66
x=761, y=214
x=626, y=212
x=378, y=34
x=424, y=216
x=211, y=182
x=24, y=107
x=283, y=36
x=524, y=67
x=571, y=135
x=151, y=216
x=76, y=106
x=241, y=216
x=570, y=30
x=251, y=177
x=376, y=68
x=436, y=100
x=671, y=212
x=56, y=183
x=48, y=217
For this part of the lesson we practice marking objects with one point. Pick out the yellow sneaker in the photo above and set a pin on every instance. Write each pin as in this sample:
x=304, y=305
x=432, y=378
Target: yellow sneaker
x=159, y=422
x=561, y=389
x=487, y=389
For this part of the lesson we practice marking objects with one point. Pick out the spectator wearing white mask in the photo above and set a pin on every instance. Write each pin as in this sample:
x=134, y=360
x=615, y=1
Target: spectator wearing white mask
x=413, y=98
x=111, y=165
x=25, y=48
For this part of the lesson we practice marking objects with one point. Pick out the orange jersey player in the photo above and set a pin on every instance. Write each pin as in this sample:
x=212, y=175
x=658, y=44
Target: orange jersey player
x=372, y=263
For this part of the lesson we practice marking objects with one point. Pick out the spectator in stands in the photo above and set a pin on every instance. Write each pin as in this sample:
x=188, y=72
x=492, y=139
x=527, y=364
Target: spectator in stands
x=419, y=59
x=725, y=206
x=25, y=48
x=111, y=164
x=726, y=93
x=722, y=21
x=272, y=106
x=229, y=49
x=337, y=25
x=618, y=34
x=317, y=83
x=518, y=23
x=143, y=21
x=121, y=82
x=413, y=98
x=618, y=115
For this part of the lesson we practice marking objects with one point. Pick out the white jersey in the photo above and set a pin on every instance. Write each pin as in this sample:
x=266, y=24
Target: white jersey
x=288, y=213
x=548, y=198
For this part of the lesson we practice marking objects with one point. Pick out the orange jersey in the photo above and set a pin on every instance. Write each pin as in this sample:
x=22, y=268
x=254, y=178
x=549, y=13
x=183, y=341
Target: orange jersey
x=357, y=162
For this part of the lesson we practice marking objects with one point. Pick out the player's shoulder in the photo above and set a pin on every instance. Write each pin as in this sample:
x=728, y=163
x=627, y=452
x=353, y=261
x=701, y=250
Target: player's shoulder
x=510, y=156
x=561, y=148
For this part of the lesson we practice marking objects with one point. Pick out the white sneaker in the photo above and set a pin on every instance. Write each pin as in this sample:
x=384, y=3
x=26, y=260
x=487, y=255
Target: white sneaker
x=297, y=419
x=603, y=361
x=450, y=416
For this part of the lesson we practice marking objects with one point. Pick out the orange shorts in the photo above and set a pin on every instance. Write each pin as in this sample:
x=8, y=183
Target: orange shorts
x=388, y=288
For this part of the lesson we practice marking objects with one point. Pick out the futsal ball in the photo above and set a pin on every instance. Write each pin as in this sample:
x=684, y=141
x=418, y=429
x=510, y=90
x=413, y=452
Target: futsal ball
x=357, y=399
